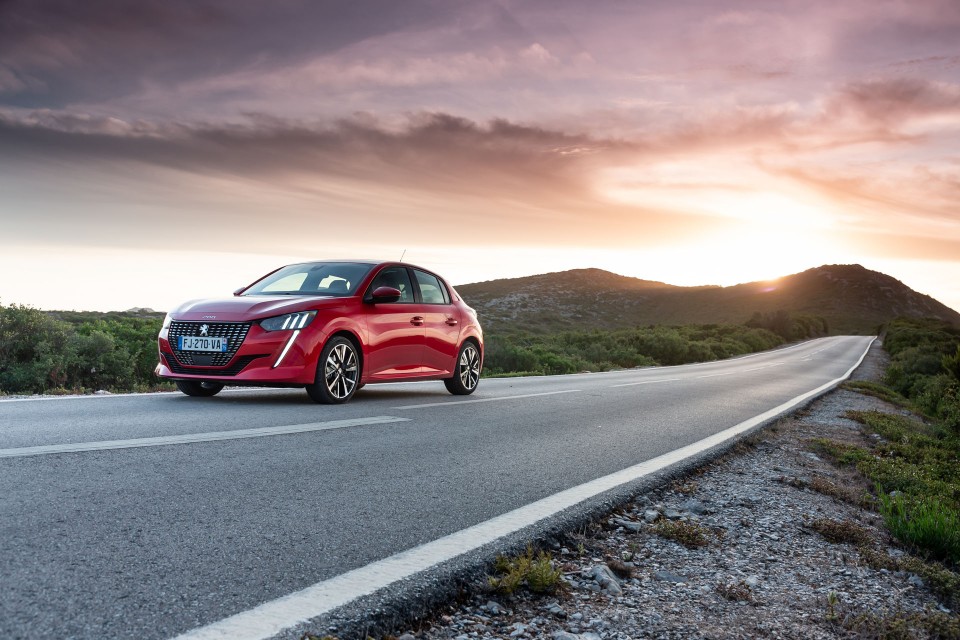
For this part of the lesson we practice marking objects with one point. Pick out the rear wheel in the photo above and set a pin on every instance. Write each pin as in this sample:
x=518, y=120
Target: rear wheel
x=338, y=373
x=467, y=372
x=199, y=389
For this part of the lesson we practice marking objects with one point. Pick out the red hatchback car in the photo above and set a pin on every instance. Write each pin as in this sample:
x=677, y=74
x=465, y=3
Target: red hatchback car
x=330, y=327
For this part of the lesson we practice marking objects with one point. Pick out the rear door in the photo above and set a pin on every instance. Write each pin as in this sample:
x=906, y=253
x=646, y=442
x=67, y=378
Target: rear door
x=441, y=321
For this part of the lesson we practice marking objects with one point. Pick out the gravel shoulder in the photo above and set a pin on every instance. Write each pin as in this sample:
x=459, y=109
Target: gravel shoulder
x=764, y=569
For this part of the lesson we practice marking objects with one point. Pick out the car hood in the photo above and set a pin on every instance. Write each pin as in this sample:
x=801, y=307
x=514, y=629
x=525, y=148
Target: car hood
x=245, y=308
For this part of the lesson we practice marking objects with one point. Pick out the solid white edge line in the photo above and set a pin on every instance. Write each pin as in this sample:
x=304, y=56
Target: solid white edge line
x=272, y=617
x=456, y=403
x=190, y=438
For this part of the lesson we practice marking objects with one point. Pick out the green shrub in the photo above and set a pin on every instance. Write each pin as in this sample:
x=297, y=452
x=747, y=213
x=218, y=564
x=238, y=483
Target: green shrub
x=41, y=352
x=927, y=524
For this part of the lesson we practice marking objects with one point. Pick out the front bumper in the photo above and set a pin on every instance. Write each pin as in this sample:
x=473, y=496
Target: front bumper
x=256, y=361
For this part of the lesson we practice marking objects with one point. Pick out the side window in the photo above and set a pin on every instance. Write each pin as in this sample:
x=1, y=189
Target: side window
x=432, y=290
x=396, y=277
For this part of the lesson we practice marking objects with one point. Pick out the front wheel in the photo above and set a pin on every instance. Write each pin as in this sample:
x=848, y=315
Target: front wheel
x=466, y=376
x=338, y=373
x=199, y=389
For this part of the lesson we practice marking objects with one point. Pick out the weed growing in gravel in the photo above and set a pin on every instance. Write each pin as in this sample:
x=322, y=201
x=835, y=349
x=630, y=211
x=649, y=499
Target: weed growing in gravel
x=930, y=624
x=942, y=581
x=842, y=493
x=832, y=601
x=690, y=534
x=840, y=453
x=686, y=488
x=735, y=591
x=536, y=571
x=842, y=531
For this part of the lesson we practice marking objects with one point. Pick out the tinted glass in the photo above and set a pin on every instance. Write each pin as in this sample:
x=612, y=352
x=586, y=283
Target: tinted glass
x=432, y=290
x=312, y=278
x=396, y=277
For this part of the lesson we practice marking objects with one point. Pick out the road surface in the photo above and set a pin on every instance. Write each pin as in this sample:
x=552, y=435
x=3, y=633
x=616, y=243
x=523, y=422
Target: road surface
x=155, y=515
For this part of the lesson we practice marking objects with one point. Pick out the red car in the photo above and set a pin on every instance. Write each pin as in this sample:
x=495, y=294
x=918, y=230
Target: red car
x=330, y=327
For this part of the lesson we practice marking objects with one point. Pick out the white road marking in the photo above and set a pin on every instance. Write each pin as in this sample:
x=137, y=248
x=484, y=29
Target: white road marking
x=272, y=617
x=190, y=438
x=717, y=375
x=775, y=364
x=632, y=384
x=454, y=403
x=155, y=394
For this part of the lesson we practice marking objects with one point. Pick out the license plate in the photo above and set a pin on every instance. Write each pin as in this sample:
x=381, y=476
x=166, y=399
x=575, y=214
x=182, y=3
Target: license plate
x=196, y=343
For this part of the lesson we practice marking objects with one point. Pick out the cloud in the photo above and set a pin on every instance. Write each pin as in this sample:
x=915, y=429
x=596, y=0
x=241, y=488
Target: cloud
x=891, y=102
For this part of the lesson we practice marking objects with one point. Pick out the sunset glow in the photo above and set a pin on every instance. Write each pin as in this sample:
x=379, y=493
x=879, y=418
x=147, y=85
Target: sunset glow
x=182, y=148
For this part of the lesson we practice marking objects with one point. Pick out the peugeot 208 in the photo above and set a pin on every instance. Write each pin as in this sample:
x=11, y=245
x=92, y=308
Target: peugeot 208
x=330, y=327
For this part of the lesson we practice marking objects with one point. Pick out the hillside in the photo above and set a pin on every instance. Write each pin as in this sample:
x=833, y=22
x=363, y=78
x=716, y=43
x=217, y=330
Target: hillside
x=852, y=299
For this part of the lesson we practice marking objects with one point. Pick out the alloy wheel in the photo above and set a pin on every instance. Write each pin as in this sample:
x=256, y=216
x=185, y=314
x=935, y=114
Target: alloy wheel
x=341, y=371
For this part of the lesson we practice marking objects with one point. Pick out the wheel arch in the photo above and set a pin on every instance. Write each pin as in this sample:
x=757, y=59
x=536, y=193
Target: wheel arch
x=352, y=337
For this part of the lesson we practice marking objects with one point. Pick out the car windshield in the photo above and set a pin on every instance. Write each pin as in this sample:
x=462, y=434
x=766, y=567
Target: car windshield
x=312, y=279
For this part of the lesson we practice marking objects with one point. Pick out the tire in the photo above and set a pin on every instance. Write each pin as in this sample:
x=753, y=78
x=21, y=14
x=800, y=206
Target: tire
x=466, y=375
x=199, y=389
x=338, y=373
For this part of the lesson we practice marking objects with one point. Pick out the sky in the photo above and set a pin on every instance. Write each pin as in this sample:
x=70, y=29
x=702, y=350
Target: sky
x=153, y=151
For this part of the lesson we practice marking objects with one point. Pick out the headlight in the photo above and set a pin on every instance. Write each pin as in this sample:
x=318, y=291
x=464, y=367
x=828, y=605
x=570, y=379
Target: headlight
x=167, y=319
x=289, y=322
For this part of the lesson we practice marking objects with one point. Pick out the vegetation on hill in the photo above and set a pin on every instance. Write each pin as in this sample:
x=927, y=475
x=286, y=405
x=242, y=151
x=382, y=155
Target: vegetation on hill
x=851, y=299
x=602, y=350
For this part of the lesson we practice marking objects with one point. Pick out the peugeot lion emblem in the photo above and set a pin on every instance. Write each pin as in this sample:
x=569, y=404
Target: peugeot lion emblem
x=204, y=329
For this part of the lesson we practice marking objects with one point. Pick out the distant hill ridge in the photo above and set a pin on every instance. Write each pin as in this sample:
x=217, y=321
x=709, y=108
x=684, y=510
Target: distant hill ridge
x=852, y=298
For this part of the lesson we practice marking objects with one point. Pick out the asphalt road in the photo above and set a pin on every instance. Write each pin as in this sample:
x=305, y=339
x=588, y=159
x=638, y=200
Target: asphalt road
x=174, y=530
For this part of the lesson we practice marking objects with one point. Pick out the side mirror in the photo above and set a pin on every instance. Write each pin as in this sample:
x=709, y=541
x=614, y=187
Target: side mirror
x=384, y=294
x=239, y=291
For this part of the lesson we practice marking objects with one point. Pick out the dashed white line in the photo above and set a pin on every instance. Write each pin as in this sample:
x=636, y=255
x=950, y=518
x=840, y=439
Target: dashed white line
x=190, y=438
x=456, y=403
x=766, y=366
x=633, y=384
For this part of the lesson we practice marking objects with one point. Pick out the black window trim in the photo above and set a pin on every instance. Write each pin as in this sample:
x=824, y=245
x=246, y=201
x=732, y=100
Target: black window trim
x=419, y=296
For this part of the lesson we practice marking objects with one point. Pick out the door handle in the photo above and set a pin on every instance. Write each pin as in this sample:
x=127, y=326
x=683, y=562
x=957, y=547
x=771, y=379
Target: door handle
x=416, y=321
x=452, y=322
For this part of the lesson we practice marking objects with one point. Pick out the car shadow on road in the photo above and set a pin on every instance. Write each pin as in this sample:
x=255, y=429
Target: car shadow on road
x=286, y=397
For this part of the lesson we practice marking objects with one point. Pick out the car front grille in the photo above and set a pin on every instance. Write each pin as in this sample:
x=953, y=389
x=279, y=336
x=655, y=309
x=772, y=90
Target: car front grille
x=238, y=365
x=234, y=332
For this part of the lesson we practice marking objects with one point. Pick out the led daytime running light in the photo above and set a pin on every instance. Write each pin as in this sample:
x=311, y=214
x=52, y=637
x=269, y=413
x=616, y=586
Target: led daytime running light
x=286, y=348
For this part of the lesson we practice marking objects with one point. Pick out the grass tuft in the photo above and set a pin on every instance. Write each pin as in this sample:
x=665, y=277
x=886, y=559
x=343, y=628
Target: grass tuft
x=928, y=525
x=840, y=453
x=842, y=531
x=901, y=626
x=535, y=571
x=690, y=534
x=735, y=591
